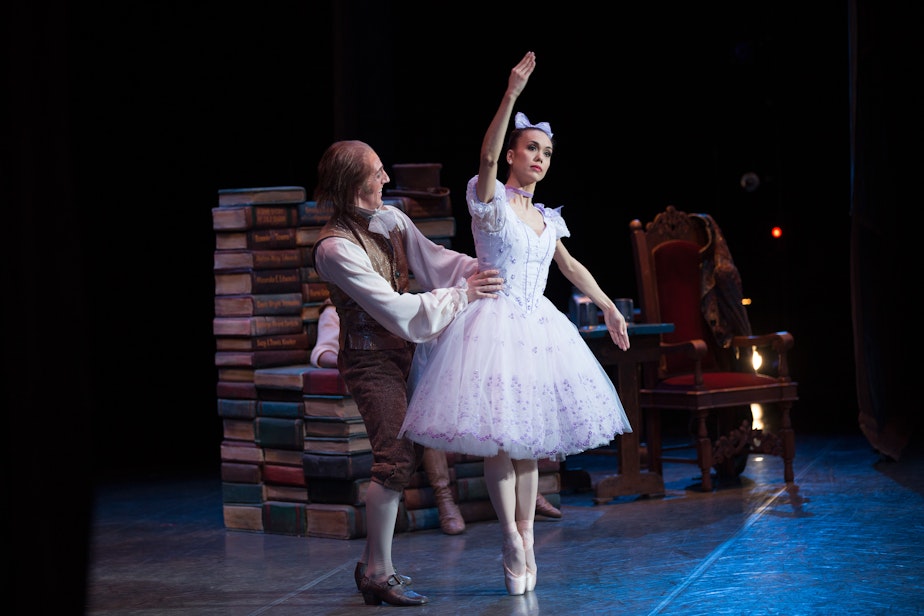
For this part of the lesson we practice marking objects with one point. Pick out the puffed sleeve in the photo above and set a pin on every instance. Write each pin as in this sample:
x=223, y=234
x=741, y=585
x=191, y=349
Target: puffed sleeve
x=488, y=217
x=328, y=333
x=554, y=218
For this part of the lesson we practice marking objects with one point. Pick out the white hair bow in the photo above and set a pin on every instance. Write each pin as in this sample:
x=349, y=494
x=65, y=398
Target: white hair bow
x=521, y=121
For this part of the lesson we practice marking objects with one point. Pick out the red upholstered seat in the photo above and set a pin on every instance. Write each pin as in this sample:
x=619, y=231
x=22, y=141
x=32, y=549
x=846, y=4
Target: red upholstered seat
x=718, y=380
x=686, y=276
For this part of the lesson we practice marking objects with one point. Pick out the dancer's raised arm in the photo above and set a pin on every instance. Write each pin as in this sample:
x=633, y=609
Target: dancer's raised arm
x=497, y=131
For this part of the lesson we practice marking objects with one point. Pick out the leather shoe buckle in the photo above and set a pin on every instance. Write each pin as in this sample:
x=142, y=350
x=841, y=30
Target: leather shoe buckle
x=393, y=580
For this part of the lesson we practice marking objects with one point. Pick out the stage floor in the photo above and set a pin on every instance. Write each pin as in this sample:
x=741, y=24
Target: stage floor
x=846, y=538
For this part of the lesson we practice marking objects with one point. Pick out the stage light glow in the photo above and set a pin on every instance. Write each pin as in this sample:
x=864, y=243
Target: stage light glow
x=757, y=414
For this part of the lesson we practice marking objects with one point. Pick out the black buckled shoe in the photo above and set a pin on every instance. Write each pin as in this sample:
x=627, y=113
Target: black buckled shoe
x=392, y=591
x=360, y=572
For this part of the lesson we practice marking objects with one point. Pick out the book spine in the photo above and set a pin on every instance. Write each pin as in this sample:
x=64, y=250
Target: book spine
x=255, y=282
x=307, y=235
x=353, y=444
x=330, y=406
x=243, y=452
x=279, y=474
x=257, y=325
x=325, y=381
x=286, y=518
x=278, y=342
x=241, y=493
x=421, y=519
x=283, y=377
x=282, y=457
x=312, y=214
x=237, y=409
x=256, y=239
x=279, y=433
x=275, y=492
x=281, y=409
x=259, y=216
x=235, y=373
x=311, y=311
x=315, y=291
x=269, y=194
x=469, y=469
x=277, y=395
x=471, y=488
x=477, y=510
x=261, y=304
x=549, y=466
x=238, y=472
x=229, y=260
x=262, y=358
x=549, y=483
x=309, y=273
x=420, y=498
x=334, y=427
x=336, y=521
x=244, y=390
x=237, y=429
x=243, y=517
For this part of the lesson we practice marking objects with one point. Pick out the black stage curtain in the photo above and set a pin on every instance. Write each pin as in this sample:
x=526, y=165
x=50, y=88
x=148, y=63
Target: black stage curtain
x=885, y=100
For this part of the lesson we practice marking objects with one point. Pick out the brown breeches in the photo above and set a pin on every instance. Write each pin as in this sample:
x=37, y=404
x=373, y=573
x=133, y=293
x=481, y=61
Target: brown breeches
x=378, y=382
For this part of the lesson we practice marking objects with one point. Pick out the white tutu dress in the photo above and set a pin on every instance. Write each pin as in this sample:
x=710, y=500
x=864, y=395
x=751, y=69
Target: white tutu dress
x=512, y=373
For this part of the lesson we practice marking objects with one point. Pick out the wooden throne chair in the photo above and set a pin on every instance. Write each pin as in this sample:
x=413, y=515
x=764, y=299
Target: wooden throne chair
x=685, y=276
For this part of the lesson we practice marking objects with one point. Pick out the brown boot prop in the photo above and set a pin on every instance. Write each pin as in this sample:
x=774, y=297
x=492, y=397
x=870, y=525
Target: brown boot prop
x=434, y=463
x=544, y=507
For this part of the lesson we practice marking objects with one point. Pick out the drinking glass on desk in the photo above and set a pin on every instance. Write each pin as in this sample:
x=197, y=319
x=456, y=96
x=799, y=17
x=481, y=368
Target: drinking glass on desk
x=626, y=306
x=583, y=312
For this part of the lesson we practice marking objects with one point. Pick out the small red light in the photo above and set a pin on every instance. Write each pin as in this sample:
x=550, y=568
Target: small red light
x=776, y=232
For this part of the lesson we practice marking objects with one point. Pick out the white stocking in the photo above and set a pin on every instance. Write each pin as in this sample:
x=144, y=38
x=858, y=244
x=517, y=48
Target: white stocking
x=501, y=482
x=527, y=472
x=381, y=515
x=527, y=478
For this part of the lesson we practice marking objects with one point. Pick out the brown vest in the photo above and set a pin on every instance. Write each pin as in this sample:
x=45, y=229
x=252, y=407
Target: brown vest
x=358, y=330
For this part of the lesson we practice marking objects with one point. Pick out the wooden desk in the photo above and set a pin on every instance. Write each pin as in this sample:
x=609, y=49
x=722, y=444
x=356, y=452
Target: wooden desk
x=644, y=341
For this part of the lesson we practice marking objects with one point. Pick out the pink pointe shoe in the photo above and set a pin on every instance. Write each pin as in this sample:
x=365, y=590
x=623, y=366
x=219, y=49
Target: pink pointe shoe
x=525, y=529
x=514, y=574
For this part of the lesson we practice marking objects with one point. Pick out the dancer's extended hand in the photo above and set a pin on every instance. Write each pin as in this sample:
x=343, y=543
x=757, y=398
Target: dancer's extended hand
x=617, y=327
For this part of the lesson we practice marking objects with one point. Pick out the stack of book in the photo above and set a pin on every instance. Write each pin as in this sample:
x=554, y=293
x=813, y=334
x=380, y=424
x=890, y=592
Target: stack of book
x=258, y=323
x=280, y=434
x=335, y=456
x=241, y=466
x=311, y=219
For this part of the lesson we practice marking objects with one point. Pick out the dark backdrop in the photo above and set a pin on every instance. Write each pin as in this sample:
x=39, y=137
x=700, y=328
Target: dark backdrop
x=122, y=120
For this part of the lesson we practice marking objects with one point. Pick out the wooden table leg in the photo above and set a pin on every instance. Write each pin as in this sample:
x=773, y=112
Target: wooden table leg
x=630, y=479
